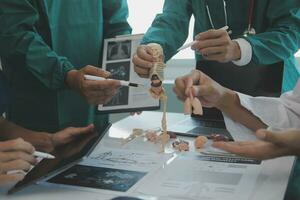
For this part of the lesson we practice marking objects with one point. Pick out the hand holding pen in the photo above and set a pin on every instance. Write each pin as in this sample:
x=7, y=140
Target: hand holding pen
x=16, y=158
x=190, y=44
x=216, y=45
x=95, y=92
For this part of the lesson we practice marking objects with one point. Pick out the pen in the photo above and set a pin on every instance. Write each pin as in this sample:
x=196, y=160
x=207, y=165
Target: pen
x=123, y=83
x=225, y=28
x=43, y=155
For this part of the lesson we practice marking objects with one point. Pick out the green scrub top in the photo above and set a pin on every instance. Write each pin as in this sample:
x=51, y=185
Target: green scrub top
x=277, y=24
x=41, y=40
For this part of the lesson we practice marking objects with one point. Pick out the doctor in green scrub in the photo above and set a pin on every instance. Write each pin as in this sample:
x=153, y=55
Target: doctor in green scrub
x=261, y=32
x=46, y=48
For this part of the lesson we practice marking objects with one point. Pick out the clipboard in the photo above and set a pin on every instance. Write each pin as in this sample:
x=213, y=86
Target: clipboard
x=117, y=59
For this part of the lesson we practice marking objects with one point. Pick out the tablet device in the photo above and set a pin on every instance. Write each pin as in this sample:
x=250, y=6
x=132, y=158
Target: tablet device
x=195, y=126
x=66, y=156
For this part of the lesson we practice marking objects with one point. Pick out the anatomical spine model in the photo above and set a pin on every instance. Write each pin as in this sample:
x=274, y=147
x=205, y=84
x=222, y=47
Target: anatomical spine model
x=157, y=91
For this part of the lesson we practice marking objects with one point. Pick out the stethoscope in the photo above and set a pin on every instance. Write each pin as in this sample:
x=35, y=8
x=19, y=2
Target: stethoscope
x=250, y=29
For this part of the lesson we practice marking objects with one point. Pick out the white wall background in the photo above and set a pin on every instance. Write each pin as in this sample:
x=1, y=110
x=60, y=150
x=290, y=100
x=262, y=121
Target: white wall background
x=141, y=15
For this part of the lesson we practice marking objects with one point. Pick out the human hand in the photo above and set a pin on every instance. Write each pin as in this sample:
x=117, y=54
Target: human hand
x=15, y=155
x=217, y=45
x=95, y=92
x=208, y=91
x=69, y=134
x=143, y=61
x=270, y=145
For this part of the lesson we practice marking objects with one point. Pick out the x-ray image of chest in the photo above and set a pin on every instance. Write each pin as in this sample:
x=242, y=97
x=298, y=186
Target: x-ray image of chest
x=118, y=50
x=120, y=99
x=120, y=71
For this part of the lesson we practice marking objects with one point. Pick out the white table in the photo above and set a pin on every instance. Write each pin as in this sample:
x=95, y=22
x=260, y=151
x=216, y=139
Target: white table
x=271, y=183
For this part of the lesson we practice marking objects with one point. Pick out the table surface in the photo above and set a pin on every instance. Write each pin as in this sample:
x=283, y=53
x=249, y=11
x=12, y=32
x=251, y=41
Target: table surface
x=270, y=185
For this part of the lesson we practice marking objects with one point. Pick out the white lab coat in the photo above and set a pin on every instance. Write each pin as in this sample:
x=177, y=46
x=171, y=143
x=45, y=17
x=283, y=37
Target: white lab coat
x=277, y=113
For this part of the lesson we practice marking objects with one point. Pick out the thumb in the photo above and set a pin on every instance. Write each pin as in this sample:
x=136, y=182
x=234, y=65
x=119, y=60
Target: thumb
x=270, y=136
x=95, y=71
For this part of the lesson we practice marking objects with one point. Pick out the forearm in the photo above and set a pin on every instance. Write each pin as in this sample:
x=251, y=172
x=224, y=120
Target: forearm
x=40, y=140
x=20, y=40
x=231, y=106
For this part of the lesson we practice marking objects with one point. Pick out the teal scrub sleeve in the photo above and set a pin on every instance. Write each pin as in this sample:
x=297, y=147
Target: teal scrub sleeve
x=282, y=40
x=170, y=29
x=115, y=14
x=19, y=38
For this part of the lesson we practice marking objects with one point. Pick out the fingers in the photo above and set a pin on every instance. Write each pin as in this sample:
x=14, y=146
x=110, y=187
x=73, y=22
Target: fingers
x=142, y=67
x=199, y=45
x=216, y=45
x=289, y=138
x=228, y=146
x=67, y=135
x=95, y=92
x=184, y=83
x=211, y=34
x=96, y=71
x=143, y=61
x=18, y=164
x=210, y=51
x=6, y=179
x=101, y=85
x=275, y=138
x=243, y=149
x=100, y=92
x=80, y=131
x=256, y=149
x=16, y=145
x=144, y=52
x=188, y=80
x=16, y=155
x=179, y=88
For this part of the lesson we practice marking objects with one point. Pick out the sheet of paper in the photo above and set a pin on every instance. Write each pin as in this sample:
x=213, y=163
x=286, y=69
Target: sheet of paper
x=111, y=171
x=117, y=55
x=126, y=159
x=186, y=178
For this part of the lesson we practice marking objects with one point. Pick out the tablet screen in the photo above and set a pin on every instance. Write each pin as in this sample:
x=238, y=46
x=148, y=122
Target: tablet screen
x=65, y=157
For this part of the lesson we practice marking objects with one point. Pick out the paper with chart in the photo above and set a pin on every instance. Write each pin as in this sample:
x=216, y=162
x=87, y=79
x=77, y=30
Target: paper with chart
x=111, y=170
x=126, y=159
x=117, y=59
x=186, y=178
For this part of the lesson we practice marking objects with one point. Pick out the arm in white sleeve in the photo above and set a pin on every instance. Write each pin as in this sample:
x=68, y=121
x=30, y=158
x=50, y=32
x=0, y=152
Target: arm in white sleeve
x=246, y=52
x=277, y=113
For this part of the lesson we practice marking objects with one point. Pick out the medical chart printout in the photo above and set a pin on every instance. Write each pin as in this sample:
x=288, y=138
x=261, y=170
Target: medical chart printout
x=111, y=171
x=117, y=59
x=192, y=178
x=185, y=176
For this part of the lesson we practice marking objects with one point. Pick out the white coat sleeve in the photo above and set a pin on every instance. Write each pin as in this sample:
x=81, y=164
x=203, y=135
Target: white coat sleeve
x=277, y=113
